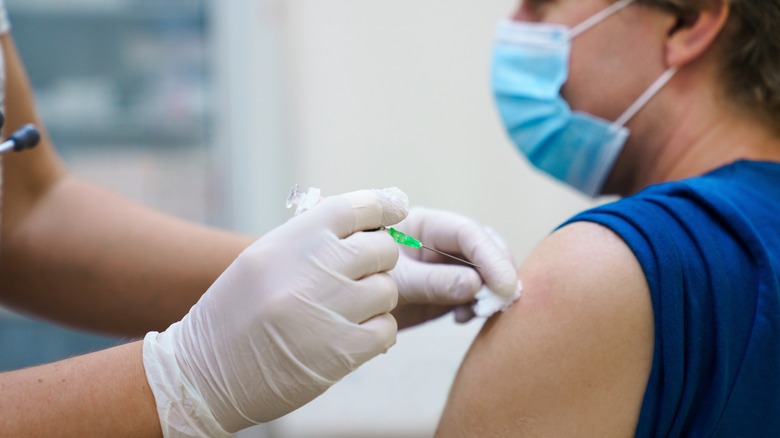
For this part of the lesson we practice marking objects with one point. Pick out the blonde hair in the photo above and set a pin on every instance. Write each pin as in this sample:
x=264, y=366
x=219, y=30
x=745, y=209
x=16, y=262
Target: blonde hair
x=749, y=51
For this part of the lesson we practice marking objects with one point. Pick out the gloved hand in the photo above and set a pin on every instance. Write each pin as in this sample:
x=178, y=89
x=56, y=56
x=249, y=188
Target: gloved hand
x=430, y=285
x=298, y=310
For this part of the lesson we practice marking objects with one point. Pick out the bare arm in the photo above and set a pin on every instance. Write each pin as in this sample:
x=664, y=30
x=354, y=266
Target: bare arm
x=84, y=256
x=572, y=357
x=100, y=394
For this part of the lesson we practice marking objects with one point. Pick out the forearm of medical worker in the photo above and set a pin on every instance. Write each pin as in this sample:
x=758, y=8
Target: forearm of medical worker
x=99, y=394
x=84, y=256
x=110, y=265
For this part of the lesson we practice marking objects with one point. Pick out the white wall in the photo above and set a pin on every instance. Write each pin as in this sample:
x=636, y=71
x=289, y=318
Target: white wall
x=395, y=93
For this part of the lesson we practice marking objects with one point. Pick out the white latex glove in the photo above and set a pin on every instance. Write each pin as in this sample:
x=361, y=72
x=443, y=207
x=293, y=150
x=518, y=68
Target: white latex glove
x=430, y=285
x=298, y=310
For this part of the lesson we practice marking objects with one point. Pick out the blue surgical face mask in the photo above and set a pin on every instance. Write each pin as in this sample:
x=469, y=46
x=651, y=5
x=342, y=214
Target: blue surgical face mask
x=530, y=65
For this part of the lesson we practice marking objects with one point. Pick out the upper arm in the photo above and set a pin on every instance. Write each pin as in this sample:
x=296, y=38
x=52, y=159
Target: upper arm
x=572, y=356
x=27, y=176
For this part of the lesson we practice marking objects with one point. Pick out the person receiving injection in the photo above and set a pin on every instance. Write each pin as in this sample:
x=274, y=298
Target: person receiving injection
x=236, y=330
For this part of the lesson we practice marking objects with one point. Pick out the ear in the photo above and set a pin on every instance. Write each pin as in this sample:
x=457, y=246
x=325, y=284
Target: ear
x=693, y=35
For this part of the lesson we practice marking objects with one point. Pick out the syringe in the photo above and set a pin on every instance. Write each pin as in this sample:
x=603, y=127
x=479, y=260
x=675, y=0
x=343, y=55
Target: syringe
x=407, y=240
x=305, y=200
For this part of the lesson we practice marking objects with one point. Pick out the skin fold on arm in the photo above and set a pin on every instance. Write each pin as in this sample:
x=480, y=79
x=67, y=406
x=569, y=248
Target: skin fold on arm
x=572, y=357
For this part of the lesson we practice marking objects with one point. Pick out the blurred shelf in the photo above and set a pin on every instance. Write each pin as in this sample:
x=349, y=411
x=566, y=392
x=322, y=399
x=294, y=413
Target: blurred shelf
x=121, y=9
x=66, y=137
x=109, y=72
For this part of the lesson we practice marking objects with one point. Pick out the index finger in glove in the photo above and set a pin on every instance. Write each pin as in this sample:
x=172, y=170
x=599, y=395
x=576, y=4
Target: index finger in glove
x=435, y=283
x=361, y=210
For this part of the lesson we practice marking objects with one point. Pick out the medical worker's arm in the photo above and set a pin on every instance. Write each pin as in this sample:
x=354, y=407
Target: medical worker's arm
x=84, y=256
x=298, y=310
x=99, y=394
x=572, y=357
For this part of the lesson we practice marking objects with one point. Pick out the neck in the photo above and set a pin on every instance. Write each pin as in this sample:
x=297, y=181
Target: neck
x=688, y=140
x=721, y=142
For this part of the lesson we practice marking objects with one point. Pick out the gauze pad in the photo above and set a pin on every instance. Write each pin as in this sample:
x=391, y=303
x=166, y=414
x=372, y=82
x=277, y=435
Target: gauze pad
x=488, y=302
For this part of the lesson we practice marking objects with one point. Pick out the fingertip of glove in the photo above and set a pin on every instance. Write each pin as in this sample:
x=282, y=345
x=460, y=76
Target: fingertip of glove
x=467, y=283
x=395, y=205
x=449, y=285
x=464, y=314
x=376, y=208
x=504, y=282
x=384, y=328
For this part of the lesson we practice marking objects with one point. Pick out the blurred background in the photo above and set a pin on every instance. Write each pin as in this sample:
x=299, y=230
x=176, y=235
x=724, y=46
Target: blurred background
x=211, y=110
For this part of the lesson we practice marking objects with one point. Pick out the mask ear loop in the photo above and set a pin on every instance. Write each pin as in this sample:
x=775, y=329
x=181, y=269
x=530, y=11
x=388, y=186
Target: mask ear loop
x=644, y=98
x=599, y=17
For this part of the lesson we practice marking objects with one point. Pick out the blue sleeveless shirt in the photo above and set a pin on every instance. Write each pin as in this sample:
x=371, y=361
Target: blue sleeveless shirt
x=710, y=250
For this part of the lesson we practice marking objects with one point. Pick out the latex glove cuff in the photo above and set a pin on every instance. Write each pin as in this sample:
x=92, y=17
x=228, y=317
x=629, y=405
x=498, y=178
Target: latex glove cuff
x=182, y=410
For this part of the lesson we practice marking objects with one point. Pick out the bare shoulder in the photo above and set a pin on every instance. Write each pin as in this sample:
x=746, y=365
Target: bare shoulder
x=572, y=357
